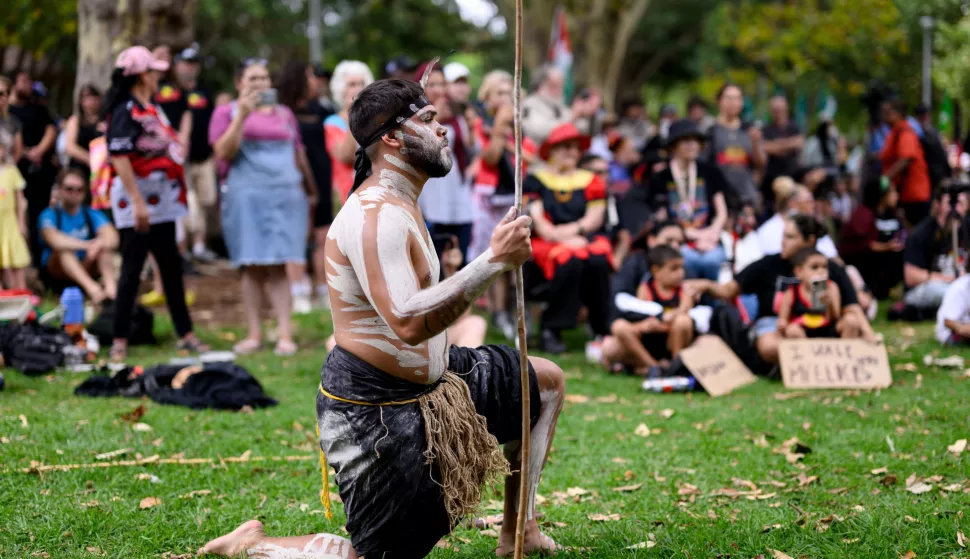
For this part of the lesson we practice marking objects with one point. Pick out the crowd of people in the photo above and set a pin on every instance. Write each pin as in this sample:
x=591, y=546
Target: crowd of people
x=637, y=224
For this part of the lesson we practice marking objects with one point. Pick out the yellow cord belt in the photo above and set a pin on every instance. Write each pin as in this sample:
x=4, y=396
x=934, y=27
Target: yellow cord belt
x=325, y=492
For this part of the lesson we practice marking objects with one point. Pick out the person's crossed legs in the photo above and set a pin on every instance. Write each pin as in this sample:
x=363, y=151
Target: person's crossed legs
x=65, y=265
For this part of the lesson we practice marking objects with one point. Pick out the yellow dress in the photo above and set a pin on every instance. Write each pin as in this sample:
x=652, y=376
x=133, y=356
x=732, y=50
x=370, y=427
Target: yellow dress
x=13, y=247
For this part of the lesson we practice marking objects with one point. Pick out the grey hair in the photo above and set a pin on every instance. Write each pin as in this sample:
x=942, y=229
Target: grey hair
x=540, y=76
x=347, y=68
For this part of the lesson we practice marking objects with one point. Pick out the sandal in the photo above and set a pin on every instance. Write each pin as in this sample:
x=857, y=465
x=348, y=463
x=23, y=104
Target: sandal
x=192, y=345
x=285, y=349
x=118, y=353
x=247, y=346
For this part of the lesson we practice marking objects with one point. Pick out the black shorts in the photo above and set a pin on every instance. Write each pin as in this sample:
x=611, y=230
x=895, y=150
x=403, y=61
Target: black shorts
x=394, y=506
x=656, y=345
x=828, y=331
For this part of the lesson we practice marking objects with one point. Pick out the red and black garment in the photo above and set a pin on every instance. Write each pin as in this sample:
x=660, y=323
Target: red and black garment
x=815, y=324
x=565, y=199
x=670, y=303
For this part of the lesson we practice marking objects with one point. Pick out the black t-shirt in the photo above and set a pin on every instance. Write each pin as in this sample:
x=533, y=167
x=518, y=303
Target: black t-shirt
x=311, y=117
x=930, y=248
x=662, y=192
x=173, y=100
x=888, y=225
x=199, y=101
x=779, y=166
x=34, y=120
x=769, y=277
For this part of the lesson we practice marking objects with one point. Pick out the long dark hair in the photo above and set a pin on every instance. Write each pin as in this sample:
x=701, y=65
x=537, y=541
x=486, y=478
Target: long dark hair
x=291, y=83
x=86, y=89
x=822, y=133
x=118, y=92
x=808, y=226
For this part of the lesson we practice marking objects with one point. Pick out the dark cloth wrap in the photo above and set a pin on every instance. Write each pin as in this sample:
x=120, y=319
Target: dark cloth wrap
x=362, y=164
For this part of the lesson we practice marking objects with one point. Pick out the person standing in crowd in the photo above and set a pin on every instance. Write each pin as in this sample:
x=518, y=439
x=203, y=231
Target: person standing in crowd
x=697, y=112
x=9, y=122
x=79, y=242
x=822, y=158
x=265, y=210
x=296, y=92
x=790, y=198
x=736, y=149
x=14, y=255
x=82, y=128
x=446, y=202
x=656, y=147
x=545, y=108
x=172, y=98
x=872, y=240
x=319, y=83
x=934, y=150
x=349, y=77
x=903, y=163
x=691, y=192
x=771, y=276
x=460, y=92
x=634, y=124
x=36, y=164
x=929, y=263
x=147, y=192
x=568, y=210
x=783, y=144
x=493, y=178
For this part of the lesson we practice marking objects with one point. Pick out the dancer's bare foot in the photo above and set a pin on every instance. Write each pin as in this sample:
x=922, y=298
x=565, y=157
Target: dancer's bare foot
x=535, y=541
x=236, y=542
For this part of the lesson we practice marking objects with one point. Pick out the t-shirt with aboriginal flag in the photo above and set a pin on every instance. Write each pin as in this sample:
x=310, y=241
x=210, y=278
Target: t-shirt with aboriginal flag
x=565, y=198
x=143, y=134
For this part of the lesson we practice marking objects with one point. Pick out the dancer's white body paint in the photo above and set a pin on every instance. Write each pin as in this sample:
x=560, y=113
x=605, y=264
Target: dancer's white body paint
x=322, y=546
x=381, y=247
x=551, y=401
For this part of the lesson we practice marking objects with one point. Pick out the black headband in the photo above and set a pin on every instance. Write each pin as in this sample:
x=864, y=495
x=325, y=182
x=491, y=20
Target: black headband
x=362, y=164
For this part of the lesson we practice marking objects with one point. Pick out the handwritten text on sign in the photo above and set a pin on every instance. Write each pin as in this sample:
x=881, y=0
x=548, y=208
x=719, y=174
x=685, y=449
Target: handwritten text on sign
x=715, y=366
x=834, y=363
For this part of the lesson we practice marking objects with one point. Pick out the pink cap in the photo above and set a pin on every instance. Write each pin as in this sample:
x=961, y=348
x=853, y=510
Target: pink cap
x=138, y=60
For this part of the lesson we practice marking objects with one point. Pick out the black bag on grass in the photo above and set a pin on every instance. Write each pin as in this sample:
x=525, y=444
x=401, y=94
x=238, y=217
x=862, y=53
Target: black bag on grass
x=221, y=386
x=31, y=348
x=139, y=333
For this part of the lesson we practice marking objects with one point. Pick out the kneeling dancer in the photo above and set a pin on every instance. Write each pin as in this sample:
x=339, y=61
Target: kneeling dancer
x=412, y=426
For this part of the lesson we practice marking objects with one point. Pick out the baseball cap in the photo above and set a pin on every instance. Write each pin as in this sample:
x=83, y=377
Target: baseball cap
x=320, y=71
x=188, y=54
x=138, y=60
x=455, y=71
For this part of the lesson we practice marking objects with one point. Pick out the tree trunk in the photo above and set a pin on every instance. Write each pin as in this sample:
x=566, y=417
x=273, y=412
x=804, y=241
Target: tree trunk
x=628, y=23
x=106, y=27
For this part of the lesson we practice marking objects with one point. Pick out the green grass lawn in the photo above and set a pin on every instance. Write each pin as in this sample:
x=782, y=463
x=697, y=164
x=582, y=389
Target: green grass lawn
x=706, y=481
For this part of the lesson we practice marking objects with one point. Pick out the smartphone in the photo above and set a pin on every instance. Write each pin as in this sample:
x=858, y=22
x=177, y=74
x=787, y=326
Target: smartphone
x=818, y=290
x=267, y=97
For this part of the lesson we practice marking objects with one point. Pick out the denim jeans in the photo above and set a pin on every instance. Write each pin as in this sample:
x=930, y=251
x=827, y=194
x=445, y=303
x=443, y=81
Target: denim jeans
x=703, y=265
x=927, y=295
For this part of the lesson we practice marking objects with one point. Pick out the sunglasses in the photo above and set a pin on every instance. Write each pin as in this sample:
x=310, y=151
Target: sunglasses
x=75, y=189
x=247, y=62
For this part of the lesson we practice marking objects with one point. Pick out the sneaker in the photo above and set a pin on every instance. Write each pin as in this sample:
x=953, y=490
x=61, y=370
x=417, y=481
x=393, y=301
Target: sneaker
x=204, y=255
x=594, y=351
x=152, y=299
x=188, y=268
x=503, y=323
x=550, y=342
x=302, y=304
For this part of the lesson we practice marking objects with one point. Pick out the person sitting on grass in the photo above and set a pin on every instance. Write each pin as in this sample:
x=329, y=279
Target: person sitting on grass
x=810, y=308
x=79, y=243
x=650, y=342
x=953, y=317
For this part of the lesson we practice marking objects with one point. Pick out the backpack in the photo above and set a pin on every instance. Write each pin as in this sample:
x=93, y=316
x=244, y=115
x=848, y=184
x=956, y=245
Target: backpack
x=936, y=159
x=31, y=348
x=88, y=221
x=139, y=333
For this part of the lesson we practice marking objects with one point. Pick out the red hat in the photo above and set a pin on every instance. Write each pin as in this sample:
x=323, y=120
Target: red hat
x=561, y=134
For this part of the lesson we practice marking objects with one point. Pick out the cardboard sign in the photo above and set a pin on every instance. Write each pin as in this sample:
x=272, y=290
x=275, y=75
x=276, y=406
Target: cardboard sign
x=834, y=363
x=715, y=366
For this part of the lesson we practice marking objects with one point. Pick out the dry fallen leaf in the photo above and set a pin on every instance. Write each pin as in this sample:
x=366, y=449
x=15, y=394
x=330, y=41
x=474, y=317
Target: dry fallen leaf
x=779, y=554
x=961, y=539
x=688, y=489
x=23, y=421
x=576, y=398
x=134, y=415
x=838, y=490
x=642, y=430
x=908, y=367
x=149, y=502
x=607, y=399
x=769, y=527
x=908, y=555
x=958, y=447
x=853, y=540
x=953, y=487
x=576, y=491
x=909, y=518
x=604, y=517
x=618, y=460
x=94, y=550
x=667, y=413
x=642, y=545
x=805, y=481
x=891, y=479
x=628, y=488
x=879, y=471
x=919, y=488
x=141, y=427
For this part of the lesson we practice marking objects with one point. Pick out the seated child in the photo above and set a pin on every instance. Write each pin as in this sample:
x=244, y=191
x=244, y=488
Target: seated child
x=953, y=317
x=652, y=341
x=811, y=308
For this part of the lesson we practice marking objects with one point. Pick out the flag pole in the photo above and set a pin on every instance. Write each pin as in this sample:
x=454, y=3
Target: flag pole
x=520, y=300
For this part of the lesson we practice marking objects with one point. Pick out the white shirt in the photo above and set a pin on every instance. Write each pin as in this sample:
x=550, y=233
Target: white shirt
x=771, y=232
x=447, y=200
x=955, y=307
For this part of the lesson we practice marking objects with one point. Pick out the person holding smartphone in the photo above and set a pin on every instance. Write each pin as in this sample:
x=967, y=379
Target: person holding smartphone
x=268, y=190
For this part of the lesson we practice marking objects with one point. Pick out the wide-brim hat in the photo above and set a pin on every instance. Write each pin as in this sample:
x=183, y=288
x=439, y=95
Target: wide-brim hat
x=561, y=134
x=682, y=130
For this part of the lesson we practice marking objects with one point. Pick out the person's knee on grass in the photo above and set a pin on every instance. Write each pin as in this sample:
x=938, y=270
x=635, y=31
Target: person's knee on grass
x=767, y=346
x=794, y=331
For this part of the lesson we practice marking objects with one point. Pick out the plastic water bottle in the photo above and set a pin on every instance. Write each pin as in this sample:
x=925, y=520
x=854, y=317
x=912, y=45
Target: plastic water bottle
x=670, y=384
x=72, y=301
